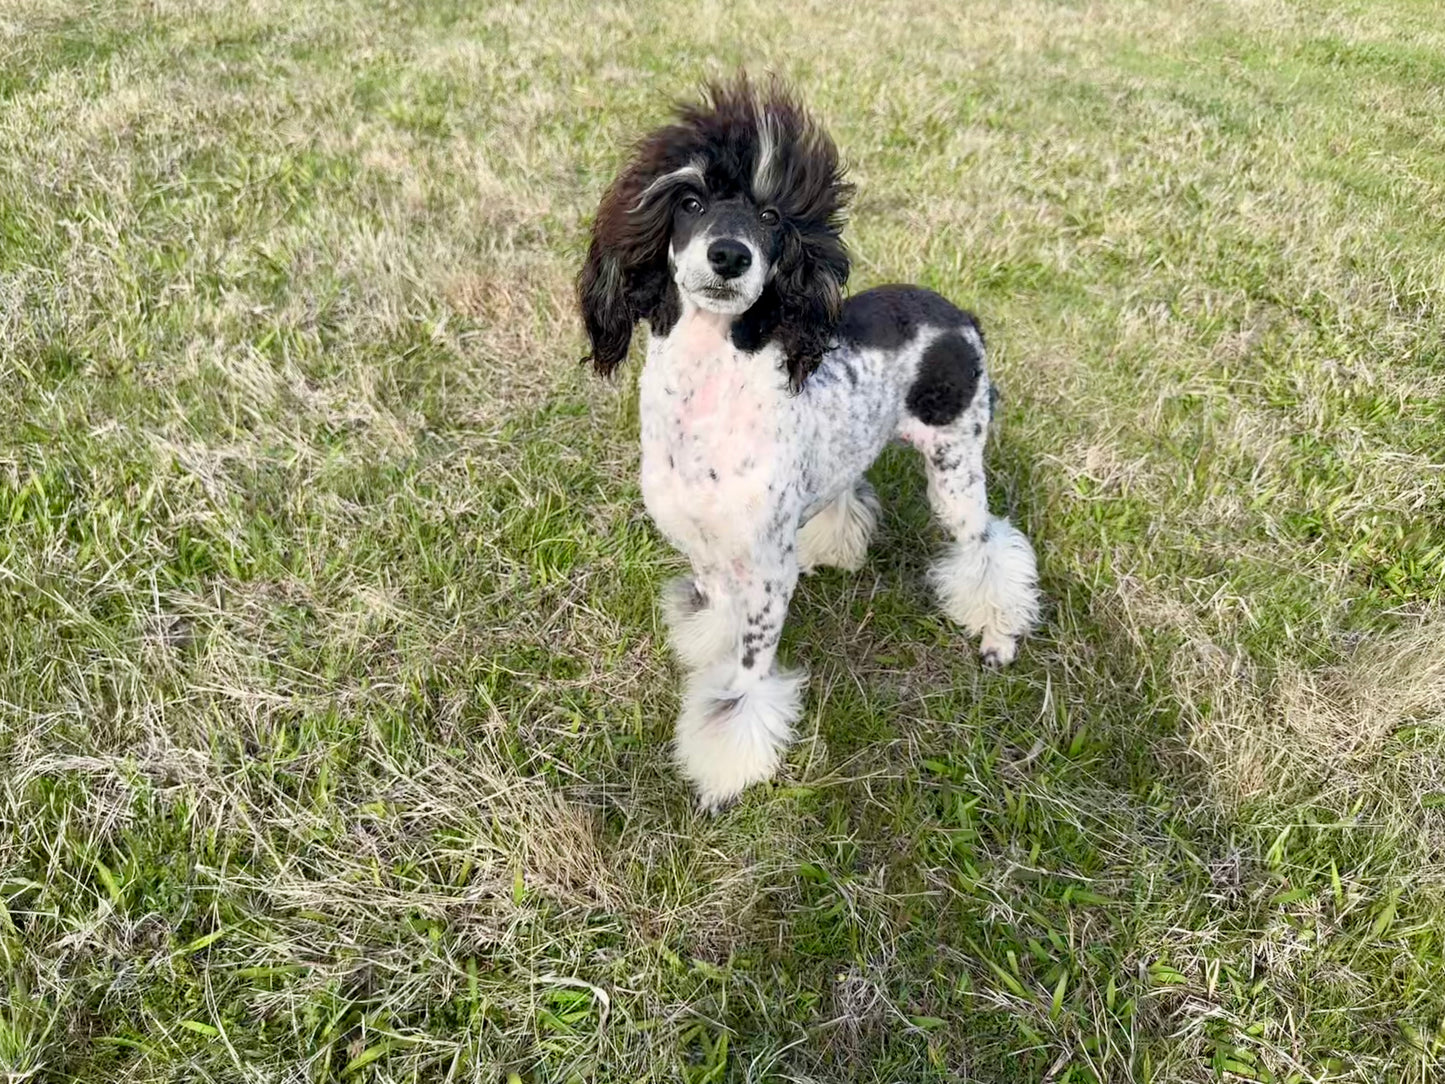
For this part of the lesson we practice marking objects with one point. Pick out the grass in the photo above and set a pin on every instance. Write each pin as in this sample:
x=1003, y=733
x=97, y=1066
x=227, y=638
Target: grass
x=333, y=706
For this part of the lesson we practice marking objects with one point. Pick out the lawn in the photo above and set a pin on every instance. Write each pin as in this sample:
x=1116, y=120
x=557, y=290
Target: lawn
x=334, y=704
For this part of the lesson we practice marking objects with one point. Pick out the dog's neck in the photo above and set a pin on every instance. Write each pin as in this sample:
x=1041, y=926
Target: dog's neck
x=700, y=331
x=749, y=332
x=702, y=349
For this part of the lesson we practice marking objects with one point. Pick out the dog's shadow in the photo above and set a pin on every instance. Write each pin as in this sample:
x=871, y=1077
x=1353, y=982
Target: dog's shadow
x=940, y=793
x=887, y=665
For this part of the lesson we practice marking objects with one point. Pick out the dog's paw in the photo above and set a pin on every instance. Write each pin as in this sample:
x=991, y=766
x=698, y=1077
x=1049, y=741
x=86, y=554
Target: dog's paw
x=728, y=738
x=715, y=807
x=996, y=652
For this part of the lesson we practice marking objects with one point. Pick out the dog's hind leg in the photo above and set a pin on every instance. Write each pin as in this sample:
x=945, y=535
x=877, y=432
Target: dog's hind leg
x=702, y=627
x=738, y=712
x=839, y=533
x=987, y=579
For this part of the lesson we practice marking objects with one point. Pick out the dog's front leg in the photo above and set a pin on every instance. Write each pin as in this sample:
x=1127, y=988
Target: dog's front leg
x=738, y=710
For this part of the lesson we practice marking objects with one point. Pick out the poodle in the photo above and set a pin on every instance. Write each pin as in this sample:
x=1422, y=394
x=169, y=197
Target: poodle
x=764, y=397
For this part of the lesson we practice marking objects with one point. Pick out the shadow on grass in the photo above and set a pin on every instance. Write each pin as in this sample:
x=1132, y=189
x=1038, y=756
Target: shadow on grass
x=1001, y=855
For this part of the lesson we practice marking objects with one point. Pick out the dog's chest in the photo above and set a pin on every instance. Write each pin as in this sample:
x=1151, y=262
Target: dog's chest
x=712, y=432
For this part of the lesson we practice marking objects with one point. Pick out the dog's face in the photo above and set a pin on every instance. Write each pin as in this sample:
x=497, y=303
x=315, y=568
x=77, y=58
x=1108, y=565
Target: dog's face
x=735, y=209
x=722, y=250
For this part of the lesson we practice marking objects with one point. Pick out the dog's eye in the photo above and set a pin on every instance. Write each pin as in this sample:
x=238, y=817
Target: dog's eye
x=692, y=205
x=769, y=217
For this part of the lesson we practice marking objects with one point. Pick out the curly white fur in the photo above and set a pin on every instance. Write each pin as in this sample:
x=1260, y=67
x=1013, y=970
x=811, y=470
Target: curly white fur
x=838, y=536
x=730, y=735
x=700, y=630
x=990, y=586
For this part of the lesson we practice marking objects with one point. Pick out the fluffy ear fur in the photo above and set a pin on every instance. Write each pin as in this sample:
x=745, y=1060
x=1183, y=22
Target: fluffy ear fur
x=626, y=277
x=605, y=310
x=809, y=281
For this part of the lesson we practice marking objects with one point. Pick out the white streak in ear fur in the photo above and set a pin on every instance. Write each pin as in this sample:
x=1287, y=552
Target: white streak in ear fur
x=609, y=275
x=692, y=171
x=764, y=181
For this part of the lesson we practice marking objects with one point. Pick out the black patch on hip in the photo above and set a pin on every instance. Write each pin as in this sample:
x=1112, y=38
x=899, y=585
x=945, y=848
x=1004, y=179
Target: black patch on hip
x=886, y=317
x=947, y=379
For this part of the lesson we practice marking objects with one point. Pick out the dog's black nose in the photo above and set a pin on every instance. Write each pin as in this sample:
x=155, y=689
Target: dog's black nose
x=729, y=258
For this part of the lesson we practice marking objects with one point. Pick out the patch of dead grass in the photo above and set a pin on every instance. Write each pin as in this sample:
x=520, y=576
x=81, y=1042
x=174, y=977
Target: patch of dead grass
x=1341, y=733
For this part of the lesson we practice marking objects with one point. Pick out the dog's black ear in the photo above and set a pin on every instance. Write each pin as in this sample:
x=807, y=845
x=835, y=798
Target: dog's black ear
x=602, y=295
x=625, y=277
x=810, y=278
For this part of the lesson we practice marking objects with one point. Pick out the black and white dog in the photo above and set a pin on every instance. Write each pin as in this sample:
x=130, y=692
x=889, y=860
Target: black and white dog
x=764, y=398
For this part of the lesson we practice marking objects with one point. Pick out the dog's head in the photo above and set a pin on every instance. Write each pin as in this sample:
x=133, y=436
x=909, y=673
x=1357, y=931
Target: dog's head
x=736, y=208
